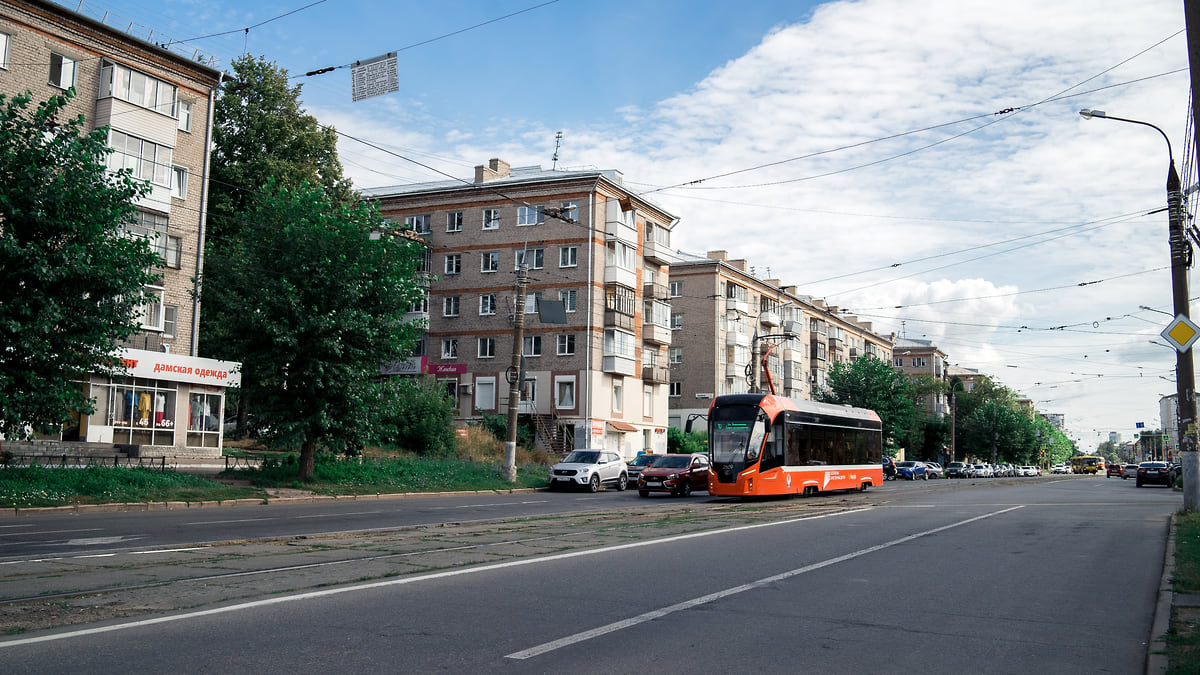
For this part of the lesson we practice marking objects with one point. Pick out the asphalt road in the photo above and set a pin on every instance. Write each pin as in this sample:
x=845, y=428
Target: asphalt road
x=995, y=577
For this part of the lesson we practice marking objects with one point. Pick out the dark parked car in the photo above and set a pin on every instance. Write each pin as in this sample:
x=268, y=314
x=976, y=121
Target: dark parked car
x=911, y=470
x=959, y=470
x=676, y=474
x=634, y=466
x=1153, y=472
x=889, y=468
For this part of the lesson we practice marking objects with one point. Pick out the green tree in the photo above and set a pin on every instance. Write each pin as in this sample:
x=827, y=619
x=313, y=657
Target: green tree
x=870, y=383
x=680, y=441
x=70, y=281
x=312, y=327
x=261, y=132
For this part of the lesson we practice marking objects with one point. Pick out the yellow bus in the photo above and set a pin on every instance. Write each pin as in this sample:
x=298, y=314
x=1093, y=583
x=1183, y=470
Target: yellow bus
x=1087, y=464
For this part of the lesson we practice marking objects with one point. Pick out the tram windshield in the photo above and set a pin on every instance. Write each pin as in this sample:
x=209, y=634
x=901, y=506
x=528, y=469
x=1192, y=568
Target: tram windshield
x=736, y=433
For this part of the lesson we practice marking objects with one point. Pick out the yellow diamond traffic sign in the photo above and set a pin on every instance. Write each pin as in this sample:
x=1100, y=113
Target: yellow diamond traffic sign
x=1181, y=333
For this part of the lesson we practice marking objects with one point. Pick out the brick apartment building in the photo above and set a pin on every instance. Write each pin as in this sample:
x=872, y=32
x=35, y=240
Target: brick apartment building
x=591, y=247
x=157, y=103
x=922, y=357
x=723, y=314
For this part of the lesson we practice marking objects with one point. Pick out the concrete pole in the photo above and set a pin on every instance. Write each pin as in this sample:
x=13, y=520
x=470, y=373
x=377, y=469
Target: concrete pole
x=514, y=375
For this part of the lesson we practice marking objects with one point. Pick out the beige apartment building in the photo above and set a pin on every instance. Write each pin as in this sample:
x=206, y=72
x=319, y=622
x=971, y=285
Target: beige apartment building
x=595, y=373
x=922, y=357
x=157, y=103
x=725, y=318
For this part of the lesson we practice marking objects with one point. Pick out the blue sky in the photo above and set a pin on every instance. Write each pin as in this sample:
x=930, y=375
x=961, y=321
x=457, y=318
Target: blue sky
x=864, y=135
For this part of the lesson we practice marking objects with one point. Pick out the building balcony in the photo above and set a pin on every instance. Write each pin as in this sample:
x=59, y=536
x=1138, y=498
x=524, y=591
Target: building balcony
x=733, y=305
x=617, y=364
x=735, y=370
x=656, y=374
x=656, y=252
x=792, y=355
x=620, y=275
x=656, y=292
x=733, y=339
x=615, y=319
x=652, y=332
x=769, y=318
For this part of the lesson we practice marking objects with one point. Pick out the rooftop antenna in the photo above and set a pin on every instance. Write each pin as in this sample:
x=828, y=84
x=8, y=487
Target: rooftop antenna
x=557, y=141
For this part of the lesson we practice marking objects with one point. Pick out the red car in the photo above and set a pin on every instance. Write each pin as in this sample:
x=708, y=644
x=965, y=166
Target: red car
x=676, y=474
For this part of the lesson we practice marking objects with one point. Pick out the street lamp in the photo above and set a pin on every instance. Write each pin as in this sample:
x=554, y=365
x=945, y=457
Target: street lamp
x=1185, y=378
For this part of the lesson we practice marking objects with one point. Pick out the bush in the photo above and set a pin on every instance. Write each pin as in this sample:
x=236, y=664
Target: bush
x=679, y=441
x=417, y=415
x=497, y=426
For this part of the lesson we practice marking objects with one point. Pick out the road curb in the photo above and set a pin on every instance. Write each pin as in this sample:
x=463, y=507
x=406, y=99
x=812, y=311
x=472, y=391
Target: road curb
x=1156, y=651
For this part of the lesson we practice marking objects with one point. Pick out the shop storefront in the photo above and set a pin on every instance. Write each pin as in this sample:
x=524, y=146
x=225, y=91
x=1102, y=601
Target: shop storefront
x=167, y=404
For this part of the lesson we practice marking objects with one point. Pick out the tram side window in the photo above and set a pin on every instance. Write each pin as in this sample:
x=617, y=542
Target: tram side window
x=795, y=443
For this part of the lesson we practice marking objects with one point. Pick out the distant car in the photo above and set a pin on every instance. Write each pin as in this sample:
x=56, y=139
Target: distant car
x=1114, y=469
x=634, y=466
x=589, y=469
x=912, y=470
x=1060, y=468
x=1153, y=472
x=1129, y=471
x=959, y=470
x=889, y=468
x=934, y=469
x=984, y=471
x=679, y=475
x=1030, y=471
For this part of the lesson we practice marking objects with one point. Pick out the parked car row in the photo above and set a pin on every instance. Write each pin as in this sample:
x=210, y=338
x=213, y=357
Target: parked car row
x=676, y=474
x=968, y=470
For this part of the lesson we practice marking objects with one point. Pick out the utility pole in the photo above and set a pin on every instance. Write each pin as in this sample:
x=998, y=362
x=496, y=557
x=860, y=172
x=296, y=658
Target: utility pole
x=515, y=376
x=1187, y=401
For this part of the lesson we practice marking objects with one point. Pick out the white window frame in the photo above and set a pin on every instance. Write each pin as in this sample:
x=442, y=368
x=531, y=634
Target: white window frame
x=564, y=392
x=183, y=111
x=487, y=304
x=619, y=343
x=170, y=320
x=675, y=355
x=454, y=221
x=530, y=215
x=138, y=88
x=486, y=347
x=150, y=313
x=150, y=156
x=532, y=300
x=531, y=345
x=451, y=305
x=647, y=400
x=566, y=344
x=676, y=321
x=453, y=264
x=485, y=393
x=449, y=348
x=568, y=256
x=618, y=392
x=179, y=182
x=5, y=45
x=570, y=210
x=489, y=262
x=535, y=256
x=173, y=257
x=675, y=389
x=568, y=299
x=67, y=68
x=676, y=288
x=418, y=223
x=491, y=219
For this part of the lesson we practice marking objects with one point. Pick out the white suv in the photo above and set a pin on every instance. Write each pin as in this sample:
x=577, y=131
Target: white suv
x=590, y=469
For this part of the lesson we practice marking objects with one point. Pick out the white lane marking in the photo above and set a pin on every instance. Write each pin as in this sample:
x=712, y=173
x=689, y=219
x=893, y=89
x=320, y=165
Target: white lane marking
x=400, y=582
x=339, y=515
x=712, y=597
x=226, y=522
x=9, y=527
x=168, y=550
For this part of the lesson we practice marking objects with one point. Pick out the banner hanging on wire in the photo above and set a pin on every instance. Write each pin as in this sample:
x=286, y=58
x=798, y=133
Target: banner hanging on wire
x=374, y=77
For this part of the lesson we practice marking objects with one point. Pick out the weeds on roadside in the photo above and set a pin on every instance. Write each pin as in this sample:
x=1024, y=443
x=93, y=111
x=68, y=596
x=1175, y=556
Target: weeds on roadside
x=34, y=486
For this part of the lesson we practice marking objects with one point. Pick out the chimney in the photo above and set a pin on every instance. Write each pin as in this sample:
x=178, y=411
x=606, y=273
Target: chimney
x=495, y=168
x=717, y=255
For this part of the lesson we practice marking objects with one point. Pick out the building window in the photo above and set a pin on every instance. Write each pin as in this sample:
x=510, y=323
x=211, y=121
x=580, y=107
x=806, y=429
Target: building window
x=570, y=210
x=450, y=305
x=618, y=402
x=568, y=300
x=418, y=224
x=676, y=321
x=531, y=345
x=676, y=289
x=146, y=159
x=675, y=355
x=530, y=215
x=568, y=256
x=675, y=389
x=453, y=264
x=174, y=252
x=618, y=343
x=184, y=112
x=450, y=348
x=619, y=254
x=534, y=257
x=489, y=262
x=419, y=306
x=491, y=219
x=454, y=221
x=62, y=71
x=898, y=362
x=487, y=304
x=485, y=393
x=531, y=302
x=5, y=41
x=564, y=392
x=153, y=228
x=170, y=318
x=647, y=400
x=150, y=313
x=566, y=345
x=137, y=88
x=487, y=347
x=919, y=362
x=179, y=182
